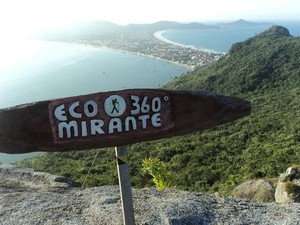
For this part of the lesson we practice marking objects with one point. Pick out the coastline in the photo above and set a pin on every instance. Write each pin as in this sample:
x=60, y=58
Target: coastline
x=130, y=52
x=201, y=59
x=159, y=36
x=144, y=55
x=152, y=45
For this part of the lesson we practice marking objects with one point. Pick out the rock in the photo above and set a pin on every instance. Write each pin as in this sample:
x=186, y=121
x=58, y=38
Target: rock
x=258, y=190
x=277, y=31
x=33, y=179
x=25, y=205
x=288, y=187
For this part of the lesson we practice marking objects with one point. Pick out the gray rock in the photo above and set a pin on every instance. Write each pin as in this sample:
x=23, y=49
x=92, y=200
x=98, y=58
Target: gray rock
x=23, y=205
x=33, y=179
x=256, y=190
x=288, y=187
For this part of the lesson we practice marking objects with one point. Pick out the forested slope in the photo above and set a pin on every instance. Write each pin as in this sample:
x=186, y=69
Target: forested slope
x=265, y=70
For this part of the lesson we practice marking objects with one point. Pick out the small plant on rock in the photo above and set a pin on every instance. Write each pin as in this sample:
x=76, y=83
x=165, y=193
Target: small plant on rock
x=159, y=172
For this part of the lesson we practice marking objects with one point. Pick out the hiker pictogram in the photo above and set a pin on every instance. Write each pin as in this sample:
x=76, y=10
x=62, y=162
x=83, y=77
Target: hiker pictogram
x=115, y=105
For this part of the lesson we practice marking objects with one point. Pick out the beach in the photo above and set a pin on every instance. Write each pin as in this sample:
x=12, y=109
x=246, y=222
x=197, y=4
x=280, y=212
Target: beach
x=159, y=35
x=154, y=45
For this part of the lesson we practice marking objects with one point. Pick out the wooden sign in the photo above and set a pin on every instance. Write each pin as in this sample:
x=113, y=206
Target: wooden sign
x=113, y=119
x=98, y=117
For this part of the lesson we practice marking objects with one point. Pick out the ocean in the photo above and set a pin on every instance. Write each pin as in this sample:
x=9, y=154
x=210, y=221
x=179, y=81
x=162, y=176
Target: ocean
x=38, y=70
x=220, y=40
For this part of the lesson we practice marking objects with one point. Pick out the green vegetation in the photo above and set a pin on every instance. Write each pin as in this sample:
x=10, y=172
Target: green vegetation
x=158, y=170
x=264, y=70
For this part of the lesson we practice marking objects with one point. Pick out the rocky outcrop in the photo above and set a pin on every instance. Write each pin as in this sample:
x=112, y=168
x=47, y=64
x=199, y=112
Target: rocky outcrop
x=37, y=204
x=257, y=190
x=288, y=187
x=25, y=177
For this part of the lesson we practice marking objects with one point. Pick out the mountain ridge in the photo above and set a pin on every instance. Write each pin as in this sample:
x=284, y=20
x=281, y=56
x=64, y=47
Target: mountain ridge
x=263, y=50
x=92, y=29
x=243, y=23
x=264, y=70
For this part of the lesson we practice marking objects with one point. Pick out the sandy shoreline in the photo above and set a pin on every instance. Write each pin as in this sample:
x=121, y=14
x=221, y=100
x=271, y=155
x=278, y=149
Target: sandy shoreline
x=158, y=35
x=152, y=57
x=138, y=54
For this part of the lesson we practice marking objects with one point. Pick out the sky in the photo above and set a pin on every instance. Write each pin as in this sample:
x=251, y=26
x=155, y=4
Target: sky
x=23, y=17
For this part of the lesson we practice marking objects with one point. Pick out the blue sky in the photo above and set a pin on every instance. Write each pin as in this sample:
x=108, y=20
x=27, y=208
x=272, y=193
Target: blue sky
x=32, y=14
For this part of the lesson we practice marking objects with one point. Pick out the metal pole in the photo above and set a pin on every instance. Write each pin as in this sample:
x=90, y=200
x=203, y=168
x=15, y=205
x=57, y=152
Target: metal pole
x=125, y=185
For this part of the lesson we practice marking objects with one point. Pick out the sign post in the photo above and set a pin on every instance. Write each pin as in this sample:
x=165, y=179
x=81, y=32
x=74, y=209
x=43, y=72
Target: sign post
x=125, y=185
x=115, y=118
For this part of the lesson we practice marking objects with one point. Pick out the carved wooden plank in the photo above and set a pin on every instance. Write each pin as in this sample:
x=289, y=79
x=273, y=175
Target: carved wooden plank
x=113, y=118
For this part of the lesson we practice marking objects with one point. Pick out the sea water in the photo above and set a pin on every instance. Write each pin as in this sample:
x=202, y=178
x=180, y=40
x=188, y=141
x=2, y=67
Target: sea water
x=47, y=70
x=221, y=40
x=37, y=70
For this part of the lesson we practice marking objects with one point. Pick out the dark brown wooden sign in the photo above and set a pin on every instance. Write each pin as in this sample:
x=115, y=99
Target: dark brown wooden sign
x=112, y=119
x=98, y=117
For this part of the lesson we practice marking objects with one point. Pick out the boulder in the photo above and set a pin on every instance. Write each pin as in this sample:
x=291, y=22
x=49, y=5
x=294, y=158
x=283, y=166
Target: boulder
x=33, y=179
x=288, y=187
x=257, y=190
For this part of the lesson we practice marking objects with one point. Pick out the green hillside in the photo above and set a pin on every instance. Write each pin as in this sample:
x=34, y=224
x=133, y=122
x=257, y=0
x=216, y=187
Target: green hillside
x=264, y=69
x=267, y=61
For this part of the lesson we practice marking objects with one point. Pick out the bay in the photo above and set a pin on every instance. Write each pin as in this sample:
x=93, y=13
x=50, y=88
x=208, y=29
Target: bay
x=37, y=70
x=46, y=70
x=220, y=40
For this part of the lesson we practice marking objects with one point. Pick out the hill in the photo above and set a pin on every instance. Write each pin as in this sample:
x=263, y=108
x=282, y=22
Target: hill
x=264, y=70
x=262, y=63
x=93, y=30
x=244, y=23
x=88, y=30
x=167, y=25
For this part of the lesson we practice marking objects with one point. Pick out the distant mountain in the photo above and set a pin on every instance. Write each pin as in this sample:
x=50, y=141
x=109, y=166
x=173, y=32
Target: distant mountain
x=244, y=23
x=92, y=29
x=81, y=30
x=166, y=25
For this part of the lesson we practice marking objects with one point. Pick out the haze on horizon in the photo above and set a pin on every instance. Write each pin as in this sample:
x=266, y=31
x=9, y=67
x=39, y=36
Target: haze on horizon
x=19, y=18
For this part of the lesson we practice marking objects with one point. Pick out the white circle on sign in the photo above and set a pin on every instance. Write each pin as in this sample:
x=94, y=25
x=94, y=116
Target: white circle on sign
x=114, y=105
